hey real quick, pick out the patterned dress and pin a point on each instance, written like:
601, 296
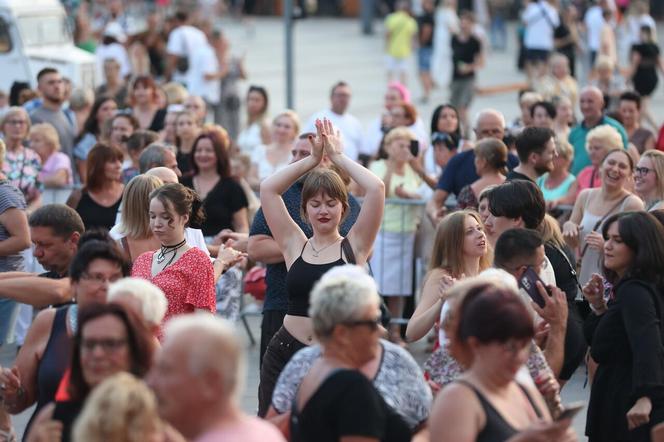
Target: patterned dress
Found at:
22, 168
188, 283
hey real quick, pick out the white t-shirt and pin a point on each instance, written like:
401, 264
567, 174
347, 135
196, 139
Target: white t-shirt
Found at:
204, 61
265, 169
182, 41
118, 53
540, 19
636, 23
594, 23
194, 237
349, 126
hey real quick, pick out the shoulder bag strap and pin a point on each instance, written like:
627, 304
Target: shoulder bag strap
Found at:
571, 268
603, 218
347, 250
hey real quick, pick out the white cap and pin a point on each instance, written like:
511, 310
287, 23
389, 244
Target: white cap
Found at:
113, 29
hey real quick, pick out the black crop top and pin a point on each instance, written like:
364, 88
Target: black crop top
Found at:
301, 278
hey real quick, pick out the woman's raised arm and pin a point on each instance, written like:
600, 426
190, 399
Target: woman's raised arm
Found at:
363, 233
285, 231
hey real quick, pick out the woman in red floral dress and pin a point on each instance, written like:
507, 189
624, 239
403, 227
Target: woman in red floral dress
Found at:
184, 273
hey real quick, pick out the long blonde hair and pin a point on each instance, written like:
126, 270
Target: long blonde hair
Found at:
447, 250
134, 216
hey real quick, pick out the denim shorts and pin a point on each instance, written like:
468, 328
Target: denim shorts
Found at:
424, 56
8, 315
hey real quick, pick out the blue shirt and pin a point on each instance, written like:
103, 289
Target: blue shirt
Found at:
460, 171
276, 296
577, 138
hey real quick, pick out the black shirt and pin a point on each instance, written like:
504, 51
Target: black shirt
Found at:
464, 52
423, 21
346, 404
514, 175
95, 215
220, 204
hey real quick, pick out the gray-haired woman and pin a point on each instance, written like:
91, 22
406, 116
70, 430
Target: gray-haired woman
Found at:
335, 401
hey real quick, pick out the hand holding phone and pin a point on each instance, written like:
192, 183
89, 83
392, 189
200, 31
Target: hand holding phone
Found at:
528, 282
414, 148
570, 410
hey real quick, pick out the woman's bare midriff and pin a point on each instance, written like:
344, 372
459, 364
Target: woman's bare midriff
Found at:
301, 328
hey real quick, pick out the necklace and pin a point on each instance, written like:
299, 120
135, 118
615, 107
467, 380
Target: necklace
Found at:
167, 250
317, 252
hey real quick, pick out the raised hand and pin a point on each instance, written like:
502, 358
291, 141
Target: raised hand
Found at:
331, 139
593, 291
317, 143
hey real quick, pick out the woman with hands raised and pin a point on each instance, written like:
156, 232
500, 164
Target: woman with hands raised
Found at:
324, 205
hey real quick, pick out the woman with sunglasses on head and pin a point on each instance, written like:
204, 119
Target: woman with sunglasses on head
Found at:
324, 205
44, 357
594, 206
625, 334
649, 180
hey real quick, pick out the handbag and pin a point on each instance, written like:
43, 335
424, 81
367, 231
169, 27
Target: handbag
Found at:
254, 282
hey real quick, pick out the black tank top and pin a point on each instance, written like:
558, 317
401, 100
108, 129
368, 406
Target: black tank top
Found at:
54, 362
300, 280
96, 215
496, 428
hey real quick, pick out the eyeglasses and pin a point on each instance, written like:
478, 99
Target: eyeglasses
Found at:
372, 324
642, 170
16, 122
108, 345
99, 279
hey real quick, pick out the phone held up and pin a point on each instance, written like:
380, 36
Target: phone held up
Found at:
528, 282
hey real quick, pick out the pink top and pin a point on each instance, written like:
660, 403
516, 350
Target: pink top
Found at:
248, 429
586, 179
188, 283
55, 162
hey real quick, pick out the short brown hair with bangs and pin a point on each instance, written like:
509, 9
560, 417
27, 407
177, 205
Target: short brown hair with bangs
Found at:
147, 82
327, 181
100, 154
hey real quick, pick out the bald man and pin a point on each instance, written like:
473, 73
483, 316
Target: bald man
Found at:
591, 103
460, 170
168, 176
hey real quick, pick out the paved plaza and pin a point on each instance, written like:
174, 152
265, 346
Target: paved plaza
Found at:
326, 51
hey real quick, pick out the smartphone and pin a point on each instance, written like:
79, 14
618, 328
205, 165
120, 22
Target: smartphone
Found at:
528, 282
414, 147
571, 410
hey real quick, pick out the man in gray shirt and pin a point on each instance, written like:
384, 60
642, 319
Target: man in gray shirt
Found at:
51, 88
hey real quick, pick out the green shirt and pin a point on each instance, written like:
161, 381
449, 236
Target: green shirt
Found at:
577, 138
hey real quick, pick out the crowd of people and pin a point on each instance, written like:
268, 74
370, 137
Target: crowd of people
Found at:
133, 217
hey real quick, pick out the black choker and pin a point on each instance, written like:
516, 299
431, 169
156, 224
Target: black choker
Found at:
166, 250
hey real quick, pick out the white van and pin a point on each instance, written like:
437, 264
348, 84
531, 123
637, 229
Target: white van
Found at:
34, 35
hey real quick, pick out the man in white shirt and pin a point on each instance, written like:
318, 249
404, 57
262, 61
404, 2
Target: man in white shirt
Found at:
594, 22
540, 20
348, 125
183, 43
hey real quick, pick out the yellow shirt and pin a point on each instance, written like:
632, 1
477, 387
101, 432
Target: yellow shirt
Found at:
402, 28
399, 217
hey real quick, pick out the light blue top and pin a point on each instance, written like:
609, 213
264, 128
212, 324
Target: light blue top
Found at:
558, 192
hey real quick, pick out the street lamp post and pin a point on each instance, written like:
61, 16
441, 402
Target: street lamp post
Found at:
288, 43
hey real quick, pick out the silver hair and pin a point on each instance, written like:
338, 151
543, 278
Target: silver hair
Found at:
484, 112
153, 156
153, 301
340, 296
217, 348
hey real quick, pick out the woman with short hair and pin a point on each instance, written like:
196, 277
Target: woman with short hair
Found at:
599, 141
558, 185
144, 99
56, 166
335, 402
491, 167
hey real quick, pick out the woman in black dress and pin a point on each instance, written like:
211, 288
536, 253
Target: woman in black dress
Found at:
645, 62
625, 333
224, 201
98, 202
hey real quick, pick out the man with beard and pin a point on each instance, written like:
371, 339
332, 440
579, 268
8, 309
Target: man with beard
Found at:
536, 149
52, 90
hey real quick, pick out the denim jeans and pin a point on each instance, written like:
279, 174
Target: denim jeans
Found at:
8, 314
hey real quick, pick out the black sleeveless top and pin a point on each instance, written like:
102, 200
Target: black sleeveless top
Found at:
96, 215
54, 362
300, 280
496, 428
